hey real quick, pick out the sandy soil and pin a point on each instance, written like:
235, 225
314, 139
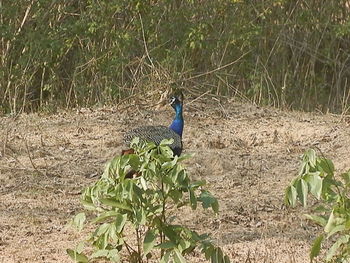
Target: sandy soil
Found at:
247, 154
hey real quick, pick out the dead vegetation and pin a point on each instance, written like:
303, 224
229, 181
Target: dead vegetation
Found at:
247, 154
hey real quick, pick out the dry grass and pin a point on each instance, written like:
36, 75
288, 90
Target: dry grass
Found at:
248, 155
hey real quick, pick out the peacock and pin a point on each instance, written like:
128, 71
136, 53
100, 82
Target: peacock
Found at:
157, 133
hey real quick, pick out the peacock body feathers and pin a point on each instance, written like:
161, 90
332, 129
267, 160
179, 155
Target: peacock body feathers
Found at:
155, 134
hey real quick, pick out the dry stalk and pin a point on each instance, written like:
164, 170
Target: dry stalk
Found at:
145, 43
24, 18
198, 97
5, 142
217, 69
30, 157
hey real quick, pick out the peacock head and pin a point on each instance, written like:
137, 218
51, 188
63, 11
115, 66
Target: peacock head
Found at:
176, 101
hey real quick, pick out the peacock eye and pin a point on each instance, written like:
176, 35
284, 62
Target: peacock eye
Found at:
172, 100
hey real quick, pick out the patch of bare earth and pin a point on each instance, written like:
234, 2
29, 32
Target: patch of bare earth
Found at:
248, 155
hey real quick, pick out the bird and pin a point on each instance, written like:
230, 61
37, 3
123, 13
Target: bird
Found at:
158, 133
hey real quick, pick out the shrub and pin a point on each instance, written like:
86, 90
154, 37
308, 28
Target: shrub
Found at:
317, 178
146, 206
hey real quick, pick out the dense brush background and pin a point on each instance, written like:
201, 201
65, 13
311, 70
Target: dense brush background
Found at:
285, 53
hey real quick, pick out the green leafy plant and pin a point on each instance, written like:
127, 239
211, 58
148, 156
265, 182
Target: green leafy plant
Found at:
316, 177
134, 207
276, 52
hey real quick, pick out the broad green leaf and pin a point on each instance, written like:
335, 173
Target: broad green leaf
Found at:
101, 238
330, 223
166, 245
172, 177
101, 229
208, 249
220, 255
333, 250
303, 168
327, 166
77, 257
143, 183
321, 209
128, 189
152, 167
104, 216
316, 247
121, 163
346, 177
120, 221
188, 250
135, 141
79, 221
166, 257
175, 195
302, 190
80, 247
134, 161
171, 234
291, 196
100, 253
317, 219
193, 199
149, 150
183, 245
111, 167
149, 241
166, 142
336, 229
170, 164
185, 156
215, 206
166, 152
140, 216
217, 256
113, 255
137, 194
88, 204
114, 203
315, 183
112, 232
198, 184
327, 193
178, 258
311, 157
208, 200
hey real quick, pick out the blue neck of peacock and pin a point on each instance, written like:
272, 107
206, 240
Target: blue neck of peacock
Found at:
178, 123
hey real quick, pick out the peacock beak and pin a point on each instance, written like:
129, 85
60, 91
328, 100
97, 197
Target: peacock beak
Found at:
172, 100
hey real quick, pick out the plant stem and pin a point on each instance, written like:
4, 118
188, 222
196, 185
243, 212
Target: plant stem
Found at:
138, 245
129, 248
162, 220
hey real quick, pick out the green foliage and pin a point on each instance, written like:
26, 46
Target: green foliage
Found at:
77, 53
316, 177
145, 206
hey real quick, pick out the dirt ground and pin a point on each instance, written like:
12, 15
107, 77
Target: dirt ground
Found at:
247, 154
